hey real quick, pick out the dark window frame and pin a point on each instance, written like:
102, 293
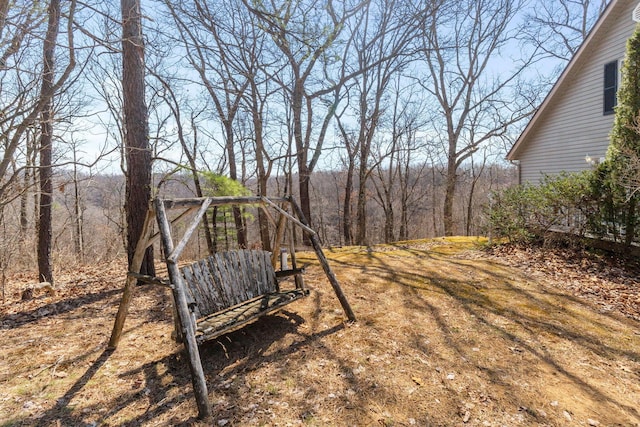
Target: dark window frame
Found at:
609, 98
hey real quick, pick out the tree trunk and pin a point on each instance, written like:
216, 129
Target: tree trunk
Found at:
45, 270
450, 190
304, 174
404, 219
361, 209
205, 217
263, 175
233, 174
263, 220
136, 131
347, 212
470, 206
78, 212
27, 183
347, 222
475, 176
404, 201
434, 209
388, 224
305, 200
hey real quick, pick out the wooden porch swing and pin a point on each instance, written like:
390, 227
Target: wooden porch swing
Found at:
226, 290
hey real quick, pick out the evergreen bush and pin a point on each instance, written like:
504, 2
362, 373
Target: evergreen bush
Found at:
612, 183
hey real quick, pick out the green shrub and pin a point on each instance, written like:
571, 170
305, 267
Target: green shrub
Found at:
529, 212
508, 212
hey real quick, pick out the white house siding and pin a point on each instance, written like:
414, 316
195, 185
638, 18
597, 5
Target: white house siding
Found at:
572, 124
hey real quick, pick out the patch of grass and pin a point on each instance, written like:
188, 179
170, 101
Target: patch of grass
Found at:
272, 389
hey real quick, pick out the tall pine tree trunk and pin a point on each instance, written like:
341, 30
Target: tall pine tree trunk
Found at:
45, 270
136, 128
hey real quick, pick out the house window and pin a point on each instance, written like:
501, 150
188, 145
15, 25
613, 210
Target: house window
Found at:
610, 86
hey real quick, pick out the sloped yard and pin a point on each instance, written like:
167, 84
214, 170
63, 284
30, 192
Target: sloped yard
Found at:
448, 334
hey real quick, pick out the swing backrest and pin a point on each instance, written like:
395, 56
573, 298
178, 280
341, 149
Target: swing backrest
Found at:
228, 278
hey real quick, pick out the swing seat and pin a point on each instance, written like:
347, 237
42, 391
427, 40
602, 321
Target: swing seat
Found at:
230, 289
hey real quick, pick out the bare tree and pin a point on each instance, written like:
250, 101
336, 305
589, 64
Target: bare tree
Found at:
475, 173
189, 143
214, 41
306, 35
24, 94
382, 43
29, 178
396, 178
349, 141
558, 27
477, 104
261, 89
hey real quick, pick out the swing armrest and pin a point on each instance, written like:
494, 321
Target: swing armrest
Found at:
290, 272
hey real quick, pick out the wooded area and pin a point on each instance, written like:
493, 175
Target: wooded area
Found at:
388, 119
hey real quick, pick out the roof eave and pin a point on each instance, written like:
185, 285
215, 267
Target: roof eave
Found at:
511, 155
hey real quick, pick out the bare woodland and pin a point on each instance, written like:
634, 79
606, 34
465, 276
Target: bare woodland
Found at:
388, 119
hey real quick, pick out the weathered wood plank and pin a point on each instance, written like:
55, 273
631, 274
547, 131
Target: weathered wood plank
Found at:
213, 292
234, 276
199, 285
244, 281
129, 287
267, 273
221, 299
192, 292
239, 315
241, 286
225, 280
253, 270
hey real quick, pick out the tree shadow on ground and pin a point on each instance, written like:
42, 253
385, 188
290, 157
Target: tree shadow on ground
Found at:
22, 318
163, 384
535, 313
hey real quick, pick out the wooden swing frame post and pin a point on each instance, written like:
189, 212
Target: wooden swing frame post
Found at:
136, 263
182, 308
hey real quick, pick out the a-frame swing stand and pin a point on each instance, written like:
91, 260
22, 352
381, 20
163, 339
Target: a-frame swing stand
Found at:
225, 291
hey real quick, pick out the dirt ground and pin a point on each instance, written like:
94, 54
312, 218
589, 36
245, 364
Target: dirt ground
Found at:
448, 334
